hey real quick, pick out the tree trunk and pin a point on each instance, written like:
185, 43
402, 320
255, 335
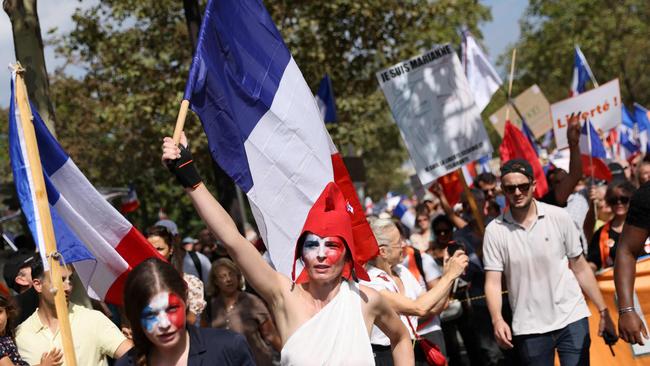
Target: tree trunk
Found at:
193, 20
29, 51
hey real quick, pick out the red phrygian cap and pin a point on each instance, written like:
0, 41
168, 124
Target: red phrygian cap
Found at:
330, 216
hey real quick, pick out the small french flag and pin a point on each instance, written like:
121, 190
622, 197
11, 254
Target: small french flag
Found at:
592, 146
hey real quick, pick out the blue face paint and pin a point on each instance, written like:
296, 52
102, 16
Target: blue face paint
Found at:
163, 311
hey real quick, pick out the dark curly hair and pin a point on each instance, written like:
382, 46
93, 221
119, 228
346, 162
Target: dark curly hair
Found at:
10, 308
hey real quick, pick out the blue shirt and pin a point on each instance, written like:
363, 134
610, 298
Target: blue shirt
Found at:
209, 346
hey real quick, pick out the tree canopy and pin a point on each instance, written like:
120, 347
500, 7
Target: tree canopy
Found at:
611, 34
136, 56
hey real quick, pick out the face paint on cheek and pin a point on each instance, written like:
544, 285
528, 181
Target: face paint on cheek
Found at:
328, 248
177, 311
164, 310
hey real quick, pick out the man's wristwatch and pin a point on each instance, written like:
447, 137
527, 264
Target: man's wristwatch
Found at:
628, 309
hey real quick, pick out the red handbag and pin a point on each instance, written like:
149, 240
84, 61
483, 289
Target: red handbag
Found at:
431, 350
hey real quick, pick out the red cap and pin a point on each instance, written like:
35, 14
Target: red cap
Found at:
331, 216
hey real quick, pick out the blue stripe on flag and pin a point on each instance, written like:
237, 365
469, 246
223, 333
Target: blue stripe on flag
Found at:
68, 244
52, 155
237, 67
597, 147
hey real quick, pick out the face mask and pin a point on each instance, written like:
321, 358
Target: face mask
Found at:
165, 310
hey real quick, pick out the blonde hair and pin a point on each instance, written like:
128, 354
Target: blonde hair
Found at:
213, 289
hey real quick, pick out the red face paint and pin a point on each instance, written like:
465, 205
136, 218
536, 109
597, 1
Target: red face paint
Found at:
318, 250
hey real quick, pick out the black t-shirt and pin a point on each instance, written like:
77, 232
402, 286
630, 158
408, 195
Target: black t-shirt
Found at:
594, 255
639, 213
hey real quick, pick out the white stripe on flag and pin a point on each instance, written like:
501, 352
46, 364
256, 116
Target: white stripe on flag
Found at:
290, 163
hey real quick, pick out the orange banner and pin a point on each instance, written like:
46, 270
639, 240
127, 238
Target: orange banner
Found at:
599, 351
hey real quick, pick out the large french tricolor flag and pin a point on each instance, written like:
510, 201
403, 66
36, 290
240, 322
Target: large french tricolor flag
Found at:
102, 245
264, 127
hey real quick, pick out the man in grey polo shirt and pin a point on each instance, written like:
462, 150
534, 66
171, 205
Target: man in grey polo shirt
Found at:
537, 247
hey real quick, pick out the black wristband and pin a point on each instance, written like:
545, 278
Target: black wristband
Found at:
184, 170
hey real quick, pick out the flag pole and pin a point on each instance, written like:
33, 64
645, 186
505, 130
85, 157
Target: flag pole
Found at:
512, 73
180, 121
43, 207
472, 203
591, 163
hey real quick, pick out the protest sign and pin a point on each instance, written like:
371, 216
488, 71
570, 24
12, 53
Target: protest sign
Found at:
535, 108
434, 108
601, 105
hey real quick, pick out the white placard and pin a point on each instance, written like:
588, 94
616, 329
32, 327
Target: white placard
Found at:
434, 108
601, 105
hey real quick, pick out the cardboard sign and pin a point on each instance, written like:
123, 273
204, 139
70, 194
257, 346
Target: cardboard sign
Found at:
535, 108
601, 105
434, 108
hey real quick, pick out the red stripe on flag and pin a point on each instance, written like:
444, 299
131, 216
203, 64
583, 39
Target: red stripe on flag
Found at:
599, 169
134, 248
451, 187
364, 239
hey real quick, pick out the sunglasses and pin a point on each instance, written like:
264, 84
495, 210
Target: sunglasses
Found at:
523, 188
619, 199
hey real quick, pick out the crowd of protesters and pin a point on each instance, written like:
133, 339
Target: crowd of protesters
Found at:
498, 278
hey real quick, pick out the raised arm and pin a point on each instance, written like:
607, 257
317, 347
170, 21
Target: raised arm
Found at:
433, 301
446, 207
264, 279
566, 187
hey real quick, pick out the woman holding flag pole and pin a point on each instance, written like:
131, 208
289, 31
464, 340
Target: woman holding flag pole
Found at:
323, 316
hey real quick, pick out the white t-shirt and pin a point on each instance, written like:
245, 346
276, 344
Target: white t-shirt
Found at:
543, 291
432, 272
381, 281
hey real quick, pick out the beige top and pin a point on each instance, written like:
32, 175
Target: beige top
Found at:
543, 291
93, 334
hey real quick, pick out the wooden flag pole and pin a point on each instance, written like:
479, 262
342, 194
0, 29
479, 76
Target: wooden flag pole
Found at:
180, 121
472, 203
43, 206
512, 73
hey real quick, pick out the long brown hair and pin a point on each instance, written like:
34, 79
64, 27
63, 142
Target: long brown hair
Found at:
146, 280
8, 304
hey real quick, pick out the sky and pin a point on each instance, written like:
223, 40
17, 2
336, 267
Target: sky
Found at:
498, 34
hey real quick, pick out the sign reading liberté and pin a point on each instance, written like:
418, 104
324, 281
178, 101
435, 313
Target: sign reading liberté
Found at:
601, 105
434, 108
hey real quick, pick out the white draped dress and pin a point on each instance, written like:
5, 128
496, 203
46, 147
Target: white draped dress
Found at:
336, 335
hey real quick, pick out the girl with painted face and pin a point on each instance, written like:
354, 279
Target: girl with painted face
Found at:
155, 302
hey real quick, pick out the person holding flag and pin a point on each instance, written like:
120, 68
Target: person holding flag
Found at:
324, 317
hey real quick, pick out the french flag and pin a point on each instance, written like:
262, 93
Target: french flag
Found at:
581, 73
264, 127
102, 245
325, 100
592, 146
628, 143
131, 202
642, 119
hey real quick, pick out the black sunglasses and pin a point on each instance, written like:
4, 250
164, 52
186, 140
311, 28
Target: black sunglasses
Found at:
619, 199
523, 188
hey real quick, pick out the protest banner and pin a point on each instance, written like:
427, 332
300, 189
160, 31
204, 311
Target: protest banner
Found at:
434, 108
601, 105
535, 108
